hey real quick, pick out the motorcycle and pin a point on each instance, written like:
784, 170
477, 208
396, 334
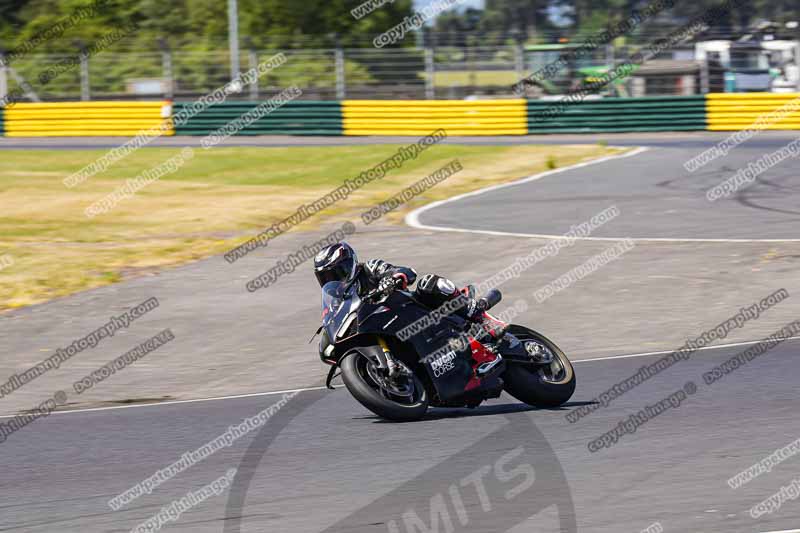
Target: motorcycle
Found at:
446, 364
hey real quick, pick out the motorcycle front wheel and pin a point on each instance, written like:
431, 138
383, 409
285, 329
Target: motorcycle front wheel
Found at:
402, 400
548, 385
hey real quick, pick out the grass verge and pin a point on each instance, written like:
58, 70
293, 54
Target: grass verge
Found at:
215, 201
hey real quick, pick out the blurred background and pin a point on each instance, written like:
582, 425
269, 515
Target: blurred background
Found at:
475, 49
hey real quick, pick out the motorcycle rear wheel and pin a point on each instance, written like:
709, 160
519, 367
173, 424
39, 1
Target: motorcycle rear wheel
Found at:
540, 386
364, 383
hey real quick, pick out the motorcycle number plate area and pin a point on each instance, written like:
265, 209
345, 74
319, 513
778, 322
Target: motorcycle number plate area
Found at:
450, 371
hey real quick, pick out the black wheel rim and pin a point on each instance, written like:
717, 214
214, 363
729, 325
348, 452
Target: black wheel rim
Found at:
555, 372
402, 390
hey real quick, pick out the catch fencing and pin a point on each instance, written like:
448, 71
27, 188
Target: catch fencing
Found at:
338, 73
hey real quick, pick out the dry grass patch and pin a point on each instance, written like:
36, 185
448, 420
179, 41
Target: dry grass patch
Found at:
214, 202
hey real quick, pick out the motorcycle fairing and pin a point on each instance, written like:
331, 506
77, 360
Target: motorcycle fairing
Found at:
449, 370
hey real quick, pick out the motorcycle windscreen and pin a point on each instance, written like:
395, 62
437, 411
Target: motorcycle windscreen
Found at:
450, 370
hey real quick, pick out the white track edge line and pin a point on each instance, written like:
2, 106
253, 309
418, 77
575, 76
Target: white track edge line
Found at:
256, 394
412, 218
174, 402
664, 352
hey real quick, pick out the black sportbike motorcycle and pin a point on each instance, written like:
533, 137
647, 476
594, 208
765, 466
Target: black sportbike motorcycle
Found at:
447, 364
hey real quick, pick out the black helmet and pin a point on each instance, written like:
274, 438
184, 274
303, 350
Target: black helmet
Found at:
336, 262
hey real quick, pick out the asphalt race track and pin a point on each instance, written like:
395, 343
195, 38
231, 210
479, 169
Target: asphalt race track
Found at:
694, 140
322, 463
658, 202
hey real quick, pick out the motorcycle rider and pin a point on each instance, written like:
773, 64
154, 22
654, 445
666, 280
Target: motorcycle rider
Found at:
339, 262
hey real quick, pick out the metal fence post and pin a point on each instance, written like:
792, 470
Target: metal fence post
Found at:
233, 37
430, 92
797, 62
3, 76
85, 93
471, 62
166, 63
519, 60
704, 77
340, 79
253, 62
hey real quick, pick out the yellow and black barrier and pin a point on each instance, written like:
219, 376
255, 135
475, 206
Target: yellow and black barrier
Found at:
738, 111
713, 112
86, 119
420, 117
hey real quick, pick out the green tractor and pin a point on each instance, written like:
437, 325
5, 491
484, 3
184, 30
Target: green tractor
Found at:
586, 71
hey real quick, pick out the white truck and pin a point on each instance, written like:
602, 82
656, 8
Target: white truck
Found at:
766, 65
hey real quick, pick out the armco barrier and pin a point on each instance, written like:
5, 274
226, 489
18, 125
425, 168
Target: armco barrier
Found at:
293, 118
650, 113
715, 111
737, 111
84, 119
420, 117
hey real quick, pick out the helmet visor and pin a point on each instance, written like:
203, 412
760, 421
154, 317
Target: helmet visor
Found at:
339, 271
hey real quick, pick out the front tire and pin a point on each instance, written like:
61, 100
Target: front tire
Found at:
540, 386
362, 381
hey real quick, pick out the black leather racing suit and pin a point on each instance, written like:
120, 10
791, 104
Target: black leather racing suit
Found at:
432, 290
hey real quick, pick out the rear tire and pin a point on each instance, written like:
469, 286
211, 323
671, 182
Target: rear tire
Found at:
533, 385
361, 384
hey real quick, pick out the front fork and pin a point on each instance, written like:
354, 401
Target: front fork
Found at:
527, 351
391, 365
382, 356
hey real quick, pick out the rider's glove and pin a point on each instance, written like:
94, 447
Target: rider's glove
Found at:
474, 312
400, 280
389, 283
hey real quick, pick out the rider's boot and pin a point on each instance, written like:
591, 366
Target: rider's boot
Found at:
476, 315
